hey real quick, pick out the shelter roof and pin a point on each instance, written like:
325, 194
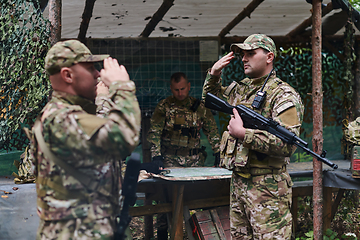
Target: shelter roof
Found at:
197, 18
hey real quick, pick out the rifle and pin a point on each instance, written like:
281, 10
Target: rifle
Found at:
129, 192
255, 120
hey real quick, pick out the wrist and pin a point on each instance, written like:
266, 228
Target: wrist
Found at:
215, 73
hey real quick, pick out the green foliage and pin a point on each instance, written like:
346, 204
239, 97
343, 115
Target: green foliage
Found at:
345, 224
24, 40
355, 4
328, 235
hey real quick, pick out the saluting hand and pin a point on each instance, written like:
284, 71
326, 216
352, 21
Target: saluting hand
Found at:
236, 126
221, 63
112, 71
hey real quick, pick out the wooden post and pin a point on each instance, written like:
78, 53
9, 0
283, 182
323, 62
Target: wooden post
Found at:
177, 216
327, 207
145, 125
55, 20
317, 140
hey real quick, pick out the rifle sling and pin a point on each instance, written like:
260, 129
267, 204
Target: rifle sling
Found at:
87, 181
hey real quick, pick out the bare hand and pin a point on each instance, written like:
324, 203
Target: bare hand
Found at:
113, 72
236, 126
102, 88
221, 63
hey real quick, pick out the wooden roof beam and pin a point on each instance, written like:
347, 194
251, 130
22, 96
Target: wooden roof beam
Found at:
244, 13
86, 16
308, 22
157, 17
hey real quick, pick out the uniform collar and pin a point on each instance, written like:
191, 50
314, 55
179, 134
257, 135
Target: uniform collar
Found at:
257, 81
86, 104
184, 102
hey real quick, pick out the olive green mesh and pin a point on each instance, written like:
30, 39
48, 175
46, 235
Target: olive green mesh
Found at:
24, 40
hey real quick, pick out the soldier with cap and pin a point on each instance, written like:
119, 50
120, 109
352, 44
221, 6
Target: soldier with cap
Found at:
175, 133
175, 128
261, 193
77, 145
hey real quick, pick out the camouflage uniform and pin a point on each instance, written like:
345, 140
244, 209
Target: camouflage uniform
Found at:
93, 145
175, 132
261, 194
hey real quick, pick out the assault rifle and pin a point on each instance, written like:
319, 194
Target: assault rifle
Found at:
129, 192
255, 120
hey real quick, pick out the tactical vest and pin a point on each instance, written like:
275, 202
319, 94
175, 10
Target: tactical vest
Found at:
352, 131
183, 130
236, 157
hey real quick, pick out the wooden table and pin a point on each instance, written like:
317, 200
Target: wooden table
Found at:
190, 188
194, 188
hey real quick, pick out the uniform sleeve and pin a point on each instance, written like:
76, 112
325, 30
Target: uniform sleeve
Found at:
157, 124
103, 105
211, 131
116, 132
212, 85
288, 111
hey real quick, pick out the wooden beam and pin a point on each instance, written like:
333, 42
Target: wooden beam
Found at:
333, 50
167, 207
157, 17
244, 13
86, 16
281, 40
308, 22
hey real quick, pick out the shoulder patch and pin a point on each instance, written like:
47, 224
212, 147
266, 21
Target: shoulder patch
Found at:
229, 89
284, 106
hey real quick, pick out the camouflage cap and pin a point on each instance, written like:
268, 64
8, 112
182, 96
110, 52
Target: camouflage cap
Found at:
68, 53
255, 41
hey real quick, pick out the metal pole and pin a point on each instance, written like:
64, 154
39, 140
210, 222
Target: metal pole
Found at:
55, 20
317, 140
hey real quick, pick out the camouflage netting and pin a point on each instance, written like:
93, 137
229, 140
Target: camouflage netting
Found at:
24, 41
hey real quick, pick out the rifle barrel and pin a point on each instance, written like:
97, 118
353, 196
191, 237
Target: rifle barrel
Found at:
318, 157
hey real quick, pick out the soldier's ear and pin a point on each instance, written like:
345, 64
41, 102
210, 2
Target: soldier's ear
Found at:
66, 74
270, 57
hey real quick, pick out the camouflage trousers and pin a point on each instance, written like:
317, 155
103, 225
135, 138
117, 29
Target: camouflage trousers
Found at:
197, 160
260, 206
76, 229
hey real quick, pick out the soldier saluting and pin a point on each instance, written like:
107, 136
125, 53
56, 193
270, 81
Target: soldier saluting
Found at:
78, 145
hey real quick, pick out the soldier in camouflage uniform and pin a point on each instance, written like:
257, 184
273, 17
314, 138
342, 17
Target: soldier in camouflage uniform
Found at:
92, 145
175, 128
175, 133
260, 196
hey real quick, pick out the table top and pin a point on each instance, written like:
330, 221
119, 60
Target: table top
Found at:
189, 174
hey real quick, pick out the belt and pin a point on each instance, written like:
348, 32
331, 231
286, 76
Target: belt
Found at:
262, 171
183, 152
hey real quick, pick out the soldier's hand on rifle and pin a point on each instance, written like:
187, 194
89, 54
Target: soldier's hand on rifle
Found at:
236, 126
221, 63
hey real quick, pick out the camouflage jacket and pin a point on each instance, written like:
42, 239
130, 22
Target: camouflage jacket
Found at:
259, 148
91, 144
170, 120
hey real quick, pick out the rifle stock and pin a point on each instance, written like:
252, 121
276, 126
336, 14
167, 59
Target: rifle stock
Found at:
254, 120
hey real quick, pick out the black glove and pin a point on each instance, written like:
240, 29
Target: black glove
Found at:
159, 161
154, 166
217, 159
